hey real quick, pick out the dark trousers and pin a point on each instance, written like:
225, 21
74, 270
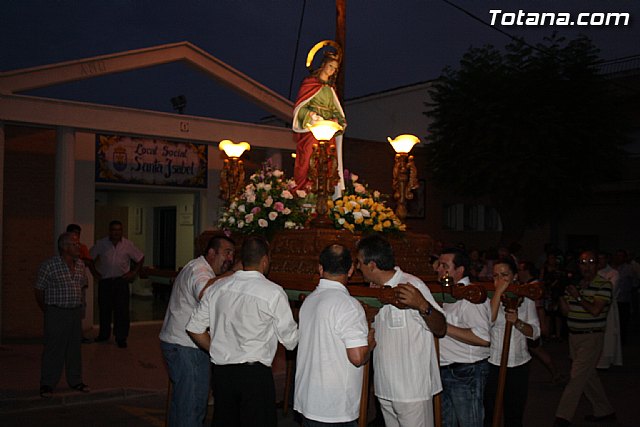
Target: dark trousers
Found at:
62, 335
306, 422
516, 389
113, 300
244, 396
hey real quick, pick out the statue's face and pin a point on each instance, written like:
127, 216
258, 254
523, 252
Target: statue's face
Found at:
330, 68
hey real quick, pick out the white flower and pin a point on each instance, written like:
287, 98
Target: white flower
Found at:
231, 220
286, 194
267, 187
242, 208
252, 177
289, 224
341, 221
365, 213
233, 205
286, 211
268, 202
354, 177
248, 218
353, 204
240, 224
263, 223
251, 198
301, 193
273, 216
376, 194
277, 173
357, 215
260, 185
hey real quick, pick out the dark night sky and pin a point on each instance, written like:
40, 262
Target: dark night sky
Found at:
390, 43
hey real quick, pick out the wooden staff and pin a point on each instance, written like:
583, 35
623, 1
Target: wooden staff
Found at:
502, 376
370, 313
529, 290
437, 399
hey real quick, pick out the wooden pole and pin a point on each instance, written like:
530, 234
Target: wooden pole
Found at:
437, 399
497, 408
364, 396
341, 30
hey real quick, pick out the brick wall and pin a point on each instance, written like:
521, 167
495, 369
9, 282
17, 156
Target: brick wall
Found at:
28, 224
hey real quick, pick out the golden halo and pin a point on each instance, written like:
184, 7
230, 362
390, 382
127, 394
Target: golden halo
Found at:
317, 47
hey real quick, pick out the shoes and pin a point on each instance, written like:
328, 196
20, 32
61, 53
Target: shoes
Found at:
561, 422
82, 388
122, 344
100, 339
595, 419
46, 392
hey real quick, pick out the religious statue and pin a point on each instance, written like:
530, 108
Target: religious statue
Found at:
317, 100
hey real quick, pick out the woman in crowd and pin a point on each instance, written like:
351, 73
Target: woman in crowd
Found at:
525, 326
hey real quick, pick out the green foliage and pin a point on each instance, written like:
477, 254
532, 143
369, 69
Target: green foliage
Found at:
533, 128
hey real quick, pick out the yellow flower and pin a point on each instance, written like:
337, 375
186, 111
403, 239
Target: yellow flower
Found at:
386, 224
402, 227
359, 220
336, 215
339, 203
368, 222
330, 204
377, 227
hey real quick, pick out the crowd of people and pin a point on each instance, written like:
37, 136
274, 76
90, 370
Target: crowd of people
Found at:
225, 320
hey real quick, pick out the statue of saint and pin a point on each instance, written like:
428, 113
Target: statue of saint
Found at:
317, 100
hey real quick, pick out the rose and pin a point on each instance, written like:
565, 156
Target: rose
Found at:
242, 208
273, 216
251, 198
277, 173
354, 177
301, 193
240, 224
263, 223
359, 188
376, 194
248, 218
286, 211
268, 202
278, 206
255, 210
286, 194
231, 220
267, 187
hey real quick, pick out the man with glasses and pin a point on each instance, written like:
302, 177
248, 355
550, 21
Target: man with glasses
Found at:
585, 305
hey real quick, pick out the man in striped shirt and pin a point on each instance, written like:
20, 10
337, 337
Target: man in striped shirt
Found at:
585, 305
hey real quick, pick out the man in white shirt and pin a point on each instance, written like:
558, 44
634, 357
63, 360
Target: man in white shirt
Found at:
405, 362
335, 341
247, 315
188, 365
464, 350
117, 261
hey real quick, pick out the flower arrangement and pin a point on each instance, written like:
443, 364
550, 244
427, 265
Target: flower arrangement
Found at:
362, 210
268, 203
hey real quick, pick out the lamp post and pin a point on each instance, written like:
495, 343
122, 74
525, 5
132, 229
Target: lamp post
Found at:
232, 175
323, 167
405, 174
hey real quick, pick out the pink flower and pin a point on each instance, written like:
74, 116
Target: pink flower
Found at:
278, 206
255, 210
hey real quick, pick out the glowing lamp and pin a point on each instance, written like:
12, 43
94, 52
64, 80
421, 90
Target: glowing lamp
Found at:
403, 143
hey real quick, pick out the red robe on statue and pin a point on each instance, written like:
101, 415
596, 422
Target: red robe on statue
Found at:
327, 106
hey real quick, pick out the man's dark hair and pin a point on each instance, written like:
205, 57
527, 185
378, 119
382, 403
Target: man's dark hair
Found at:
115, 222
64, 240
253, 249
460, 258
377, 249
335, 259
74, 228
215, 242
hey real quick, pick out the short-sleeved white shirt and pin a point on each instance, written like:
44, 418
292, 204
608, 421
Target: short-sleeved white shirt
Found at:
518, 350
184, 298
405, 360
328, 385
247, 315
115, 261
465, 314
